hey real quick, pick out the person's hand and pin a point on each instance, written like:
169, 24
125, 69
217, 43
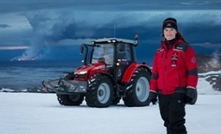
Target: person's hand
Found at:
191, 95
153, 98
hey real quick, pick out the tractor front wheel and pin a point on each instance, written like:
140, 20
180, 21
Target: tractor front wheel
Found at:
100, 92
70, 100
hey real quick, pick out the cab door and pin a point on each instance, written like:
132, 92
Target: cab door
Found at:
123, 59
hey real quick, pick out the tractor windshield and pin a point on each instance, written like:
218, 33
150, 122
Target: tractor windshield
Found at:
105, 52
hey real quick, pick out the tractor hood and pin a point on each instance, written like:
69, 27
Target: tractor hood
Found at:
87, 71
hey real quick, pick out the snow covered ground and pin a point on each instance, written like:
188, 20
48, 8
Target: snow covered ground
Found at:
37, 113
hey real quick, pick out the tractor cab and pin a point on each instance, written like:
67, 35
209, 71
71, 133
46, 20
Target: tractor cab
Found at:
117, 54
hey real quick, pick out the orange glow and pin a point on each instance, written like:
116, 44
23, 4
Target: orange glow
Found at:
23, 59
13, 47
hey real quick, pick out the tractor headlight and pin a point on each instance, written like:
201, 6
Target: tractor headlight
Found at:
113, 41
82, 72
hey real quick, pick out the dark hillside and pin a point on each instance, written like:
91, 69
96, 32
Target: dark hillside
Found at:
208, 63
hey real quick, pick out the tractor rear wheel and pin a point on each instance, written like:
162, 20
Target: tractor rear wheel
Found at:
70, 100
100, 92
137, 91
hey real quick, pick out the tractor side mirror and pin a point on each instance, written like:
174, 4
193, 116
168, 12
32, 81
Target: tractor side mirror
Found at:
81, 49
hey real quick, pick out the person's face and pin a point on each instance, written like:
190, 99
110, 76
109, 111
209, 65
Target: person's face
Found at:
169, 33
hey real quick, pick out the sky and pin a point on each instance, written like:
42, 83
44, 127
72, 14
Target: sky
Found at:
36, 113
40, 29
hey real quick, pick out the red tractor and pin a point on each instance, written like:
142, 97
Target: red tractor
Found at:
109, 73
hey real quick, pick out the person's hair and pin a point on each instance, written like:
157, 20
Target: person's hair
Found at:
180, 36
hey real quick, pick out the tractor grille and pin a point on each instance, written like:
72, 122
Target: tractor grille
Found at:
80, 75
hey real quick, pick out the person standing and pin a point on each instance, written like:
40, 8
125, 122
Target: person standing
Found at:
174, 78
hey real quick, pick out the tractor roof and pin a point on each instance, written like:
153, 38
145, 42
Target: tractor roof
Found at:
114, 40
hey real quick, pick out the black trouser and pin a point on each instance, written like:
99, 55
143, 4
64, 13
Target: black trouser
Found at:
172, 110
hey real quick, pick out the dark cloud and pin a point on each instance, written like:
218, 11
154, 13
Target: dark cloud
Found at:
61, 23
111, 5
204, 32
54, 26
4, 25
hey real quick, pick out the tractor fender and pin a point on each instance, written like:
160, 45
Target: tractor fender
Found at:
112, 79
109, 76
130, 70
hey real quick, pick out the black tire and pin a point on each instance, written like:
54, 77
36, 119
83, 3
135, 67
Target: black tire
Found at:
137, 91
116, 100
100, 91
70, 100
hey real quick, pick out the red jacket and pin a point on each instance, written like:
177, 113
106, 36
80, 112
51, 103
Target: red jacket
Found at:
174, 69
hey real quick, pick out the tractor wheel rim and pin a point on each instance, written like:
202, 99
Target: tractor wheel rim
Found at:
142, 89
103, 93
